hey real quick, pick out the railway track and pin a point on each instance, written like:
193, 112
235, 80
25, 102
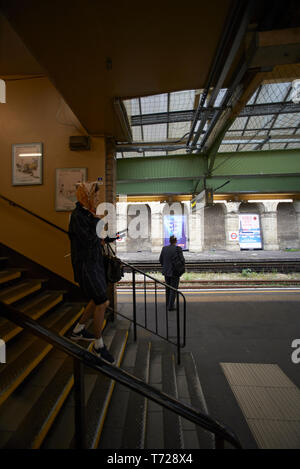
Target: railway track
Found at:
227, 266
211, 284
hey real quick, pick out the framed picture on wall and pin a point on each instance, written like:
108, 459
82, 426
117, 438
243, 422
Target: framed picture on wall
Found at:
27, 164
65, 188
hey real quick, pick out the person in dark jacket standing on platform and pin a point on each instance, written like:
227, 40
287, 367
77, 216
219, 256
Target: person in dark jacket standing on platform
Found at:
88, 266
166, 259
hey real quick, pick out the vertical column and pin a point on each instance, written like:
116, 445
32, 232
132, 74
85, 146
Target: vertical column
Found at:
110, 197
296, 205
157, 240
196, 228
269, 225
122, 222
232, 226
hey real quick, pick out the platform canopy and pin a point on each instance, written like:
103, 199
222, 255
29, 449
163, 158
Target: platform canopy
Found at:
165, 78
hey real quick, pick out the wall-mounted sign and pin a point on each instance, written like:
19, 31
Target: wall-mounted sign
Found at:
65, 191
176, 225
27, 164
233, 236
249, 233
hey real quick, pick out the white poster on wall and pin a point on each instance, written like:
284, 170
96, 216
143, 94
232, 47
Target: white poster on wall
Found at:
249, 232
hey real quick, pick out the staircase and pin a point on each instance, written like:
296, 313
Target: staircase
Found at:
36, 384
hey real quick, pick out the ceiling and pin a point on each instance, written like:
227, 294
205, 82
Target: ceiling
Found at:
100, 54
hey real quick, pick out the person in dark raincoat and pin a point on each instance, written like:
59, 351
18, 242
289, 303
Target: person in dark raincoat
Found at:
88, 266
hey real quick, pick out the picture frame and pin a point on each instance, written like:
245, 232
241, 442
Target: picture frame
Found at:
65, 187
27, 164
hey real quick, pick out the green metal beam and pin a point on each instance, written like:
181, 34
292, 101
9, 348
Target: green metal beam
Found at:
263, 172
156, 168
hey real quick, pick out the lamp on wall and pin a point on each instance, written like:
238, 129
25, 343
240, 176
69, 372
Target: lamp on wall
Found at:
2, 91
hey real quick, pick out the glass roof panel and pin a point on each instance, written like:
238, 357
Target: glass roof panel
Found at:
154, 104
155, 153
239, 123
137, 133
155, 133
179, 129
273, 93
182, 100
288, 120
132, 107
260, 122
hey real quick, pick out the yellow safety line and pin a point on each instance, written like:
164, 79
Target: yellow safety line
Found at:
36, 361
20, 295
10, 276
40, 438
215, 292
35, 316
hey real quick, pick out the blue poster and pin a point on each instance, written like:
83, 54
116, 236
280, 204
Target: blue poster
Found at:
176, 225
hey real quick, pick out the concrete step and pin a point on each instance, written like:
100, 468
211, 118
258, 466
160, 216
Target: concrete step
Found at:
7, 275
27, 352
20, 290
135, 422
33, 307
35, 426
98, 392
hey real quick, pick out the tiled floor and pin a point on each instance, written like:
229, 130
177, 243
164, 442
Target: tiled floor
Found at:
269, 401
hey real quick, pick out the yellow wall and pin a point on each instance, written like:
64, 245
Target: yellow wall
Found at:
35, 112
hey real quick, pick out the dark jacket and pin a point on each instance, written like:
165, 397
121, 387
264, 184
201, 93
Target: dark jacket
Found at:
166, 258
85, 244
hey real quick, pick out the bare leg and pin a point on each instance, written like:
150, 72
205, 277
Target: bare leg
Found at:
88, 312
99, 312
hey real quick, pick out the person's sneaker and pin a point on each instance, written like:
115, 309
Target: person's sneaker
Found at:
82, 335
104, 354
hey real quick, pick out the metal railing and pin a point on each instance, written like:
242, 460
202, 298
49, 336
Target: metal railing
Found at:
180, 322
82, 357
161, 321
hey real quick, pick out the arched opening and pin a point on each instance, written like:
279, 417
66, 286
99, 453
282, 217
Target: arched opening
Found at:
287, 230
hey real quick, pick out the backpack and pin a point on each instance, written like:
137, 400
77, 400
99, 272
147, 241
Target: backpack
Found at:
178, 265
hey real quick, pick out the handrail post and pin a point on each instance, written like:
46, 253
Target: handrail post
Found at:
219, 442
134, 304
80, 422
178, 328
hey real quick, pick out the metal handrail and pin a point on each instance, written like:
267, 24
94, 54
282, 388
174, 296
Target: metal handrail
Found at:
82, 356
135, 270
14, 204
180, 344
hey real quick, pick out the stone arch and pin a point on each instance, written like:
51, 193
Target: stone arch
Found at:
139, 217
287, 229
214, 227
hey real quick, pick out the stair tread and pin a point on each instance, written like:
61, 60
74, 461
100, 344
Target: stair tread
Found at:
37, 422
33, 351
173, 438
197, 399
97, 386
101, 395
7, 275
135, 422
20, 290
34, 308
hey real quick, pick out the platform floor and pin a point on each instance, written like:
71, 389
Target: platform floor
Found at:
214, 256
242, 330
